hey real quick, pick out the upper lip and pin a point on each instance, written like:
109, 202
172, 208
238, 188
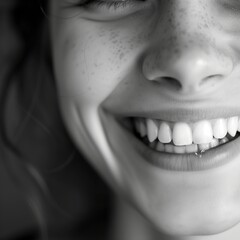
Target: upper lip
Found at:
181, 114
192, 115
172, 110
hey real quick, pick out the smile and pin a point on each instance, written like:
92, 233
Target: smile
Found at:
174, 140
176, 146
182, 138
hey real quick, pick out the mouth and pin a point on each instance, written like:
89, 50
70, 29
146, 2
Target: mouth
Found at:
186, 138
184, 146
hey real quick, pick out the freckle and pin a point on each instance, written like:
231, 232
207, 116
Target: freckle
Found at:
176, 51
191, 41
121, 56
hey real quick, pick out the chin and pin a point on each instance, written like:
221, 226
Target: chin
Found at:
185, 224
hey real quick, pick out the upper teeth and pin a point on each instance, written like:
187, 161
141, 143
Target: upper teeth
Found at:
182, 133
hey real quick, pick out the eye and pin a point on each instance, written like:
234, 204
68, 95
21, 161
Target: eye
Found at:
109, 4
106, 9
231, 5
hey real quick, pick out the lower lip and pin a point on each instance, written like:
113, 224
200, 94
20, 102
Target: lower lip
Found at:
210, 159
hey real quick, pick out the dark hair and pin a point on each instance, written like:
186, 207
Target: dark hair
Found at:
36, 148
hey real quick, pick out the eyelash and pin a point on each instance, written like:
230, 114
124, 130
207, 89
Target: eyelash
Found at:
108, 4
232, 5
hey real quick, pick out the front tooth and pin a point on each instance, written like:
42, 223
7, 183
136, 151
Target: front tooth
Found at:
232, 126
182, 134
239, 124
202, 132
152, 130
164, 133
220, 128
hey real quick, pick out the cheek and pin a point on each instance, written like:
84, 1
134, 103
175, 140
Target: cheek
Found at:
89, 64
90, 68
90, 61
91, 58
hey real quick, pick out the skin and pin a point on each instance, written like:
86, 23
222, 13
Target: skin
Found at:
110, 63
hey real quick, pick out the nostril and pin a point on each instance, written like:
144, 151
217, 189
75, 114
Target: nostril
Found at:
211, 79
170, 82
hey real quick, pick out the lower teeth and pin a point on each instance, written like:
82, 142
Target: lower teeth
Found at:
197, 149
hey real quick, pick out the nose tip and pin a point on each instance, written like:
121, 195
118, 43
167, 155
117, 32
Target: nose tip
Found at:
190, 73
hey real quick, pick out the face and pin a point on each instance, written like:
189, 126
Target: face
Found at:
149, 91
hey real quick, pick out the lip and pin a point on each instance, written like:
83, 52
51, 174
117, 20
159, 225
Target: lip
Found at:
210, 159
190, 115
181, 114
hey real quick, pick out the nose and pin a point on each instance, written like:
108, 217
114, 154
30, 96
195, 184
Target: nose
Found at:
186, 60
193, 71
